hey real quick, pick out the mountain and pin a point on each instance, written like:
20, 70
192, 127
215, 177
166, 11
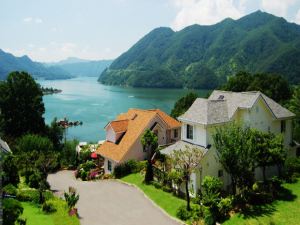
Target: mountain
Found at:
204, 56
68, 61
82, 67
9, 63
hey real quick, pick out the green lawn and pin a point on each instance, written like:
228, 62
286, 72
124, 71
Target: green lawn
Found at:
285, 211
165, 200
35, 216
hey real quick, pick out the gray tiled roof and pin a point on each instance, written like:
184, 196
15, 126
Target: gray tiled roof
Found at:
4, 146
221, 106
180, 145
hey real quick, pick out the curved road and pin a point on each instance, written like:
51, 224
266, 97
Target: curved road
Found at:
109, 202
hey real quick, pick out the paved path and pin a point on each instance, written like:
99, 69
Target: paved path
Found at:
110, 202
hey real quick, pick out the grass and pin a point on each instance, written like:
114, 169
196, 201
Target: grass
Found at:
284, 211
166, 201
35, 216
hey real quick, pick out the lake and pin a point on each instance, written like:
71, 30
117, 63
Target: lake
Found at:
94, 104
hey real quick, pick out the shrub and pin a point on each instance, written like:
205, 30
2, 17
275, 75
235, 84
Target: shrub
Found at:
93, 174
156, 184
224, 206
21, 221
208, 217
258, 186
48, 207
149, 173
167, 189
131, 166
88, 165
28, 195
211, 188
107, 176
291, 167
34, 180
83, 175
12, 209
10, 190
183, 214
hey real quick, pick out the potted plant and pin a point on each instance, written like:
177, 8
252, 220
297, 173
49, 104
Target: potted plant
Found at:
71, 198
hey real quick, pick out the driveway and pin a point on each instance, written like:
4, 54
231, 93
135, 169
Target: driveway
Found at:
110, 202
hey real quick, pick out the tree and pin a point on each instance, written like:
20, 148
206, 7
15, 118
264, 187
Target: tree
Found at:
268, 151
279, 91
183, 104
211, 190
68, 156
36, 156
239, 82
21, 105
9, 171
55, 133
294, 106
186, 161
262, 149
12, 209
235, 153
149, 141
278, 152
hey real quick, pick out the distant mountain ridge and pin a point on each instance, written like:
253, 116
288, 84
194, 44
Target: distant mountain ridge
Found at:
82, 67
9, 63
204, 56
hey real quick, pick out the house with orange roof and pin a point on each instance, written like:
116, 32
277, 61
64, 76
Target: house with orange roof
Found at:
123, 135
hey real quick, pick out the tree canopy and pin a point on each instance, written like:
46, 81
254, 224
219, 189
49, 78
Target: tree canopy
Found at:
274, 86
21, 105
294, 106
186, 161
183, 104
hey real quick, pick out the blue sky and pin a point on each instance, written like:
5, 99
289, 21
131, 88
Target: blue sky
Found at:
103, 29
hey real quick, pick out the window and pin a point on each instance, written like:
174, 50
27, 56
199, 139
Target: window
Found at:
175, 133
257, 109
189, 132
220, 173
298, 152
283, 126
109, 165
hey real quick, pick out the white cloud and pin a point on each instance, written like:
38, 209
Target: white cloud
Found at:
205, 12
68, 47
277, 7
297, 18
27, 19
38, 20
32, 20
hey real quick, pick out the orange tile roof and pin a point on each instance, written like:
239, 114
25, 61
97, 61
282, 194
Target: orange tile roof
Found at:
171, 122
138, 121
119, 125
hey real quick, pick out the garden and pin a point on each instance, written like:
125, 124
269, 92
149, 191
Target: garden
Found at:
164, 179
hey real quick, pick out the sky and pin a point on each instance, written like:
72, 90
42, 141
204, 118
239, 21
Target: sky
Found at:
52, 30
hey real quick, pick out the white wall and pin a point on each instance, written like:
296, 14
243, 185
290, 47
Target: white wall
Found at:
113, 164
110, 134
199, 134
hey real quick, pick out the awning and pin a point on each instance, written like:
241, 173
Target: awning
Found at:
94, 155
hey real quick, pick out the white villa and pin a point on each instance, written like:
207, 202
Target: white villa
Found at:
253, 109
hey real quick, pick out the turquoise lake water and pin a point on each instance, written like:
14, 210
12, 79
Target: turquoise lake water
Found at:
94, 104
